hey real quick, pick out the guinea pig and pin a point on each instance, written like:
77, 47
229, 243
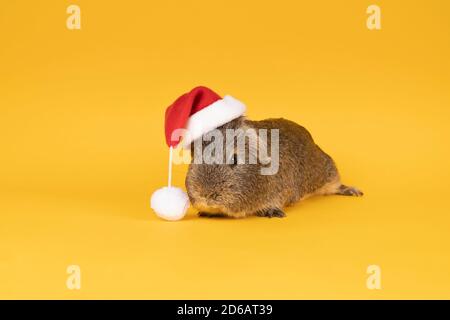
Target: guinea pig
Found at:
236, 189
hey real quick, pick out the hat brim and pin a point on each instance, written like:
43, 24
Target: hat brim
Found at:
212, 117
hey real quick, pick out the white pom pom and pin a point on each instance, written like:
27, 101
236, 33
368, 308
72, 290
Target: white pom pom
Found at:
170, 203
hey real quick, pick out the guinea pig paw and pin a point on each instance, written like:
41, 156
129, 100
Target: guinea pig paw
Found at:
349, 191
203, 214
271, 213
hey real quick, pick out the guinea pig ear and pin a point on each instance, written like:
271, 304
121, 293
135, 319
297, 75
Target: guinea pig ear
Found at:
257, 145
254, 151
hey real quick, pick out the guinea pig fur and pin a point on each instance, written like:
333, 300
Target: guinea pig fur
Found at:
240, 190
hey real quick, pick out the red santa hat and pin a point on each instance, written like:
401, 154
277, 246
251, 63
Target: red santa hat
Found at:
199, 111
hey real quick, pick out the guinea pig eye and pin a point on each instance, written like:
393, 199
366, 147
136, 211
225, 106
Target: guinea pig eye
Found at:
234, 160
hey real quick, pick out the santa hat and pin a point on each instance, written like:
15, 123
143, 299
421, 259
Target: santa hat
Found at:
197, 112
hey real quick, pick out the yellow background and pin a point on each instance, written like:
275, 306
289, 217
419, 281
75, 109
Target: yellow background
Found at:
82, 147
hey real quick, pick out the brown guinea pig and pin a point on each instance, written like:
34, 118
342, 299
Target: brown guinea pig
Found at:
236, 189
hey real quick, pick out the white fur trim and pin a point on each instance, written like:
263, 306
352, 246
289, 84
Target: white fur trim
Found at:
170, 203
213, 116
